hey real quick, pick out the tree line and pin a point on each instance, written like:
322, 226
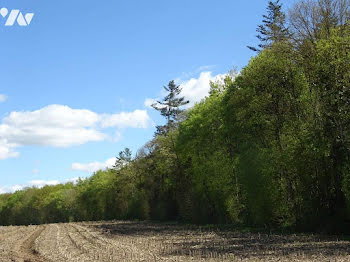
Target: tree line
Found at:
269, 146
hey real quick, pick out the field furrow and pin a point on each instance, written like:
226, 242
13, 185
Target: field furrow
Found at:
151, 242
19, 245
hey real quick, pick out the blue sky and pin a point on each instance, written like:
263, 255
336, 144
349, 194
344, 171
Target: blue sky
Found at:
76, 82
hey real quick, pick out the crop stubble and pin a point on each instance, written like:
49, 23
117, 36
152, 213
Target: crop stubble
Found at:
144, 241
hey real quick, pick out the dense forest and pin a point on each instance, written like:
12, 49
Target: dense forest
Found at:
268, 147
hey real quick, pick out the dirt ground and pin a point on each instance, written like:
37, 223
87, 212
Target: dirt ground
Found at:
142, 241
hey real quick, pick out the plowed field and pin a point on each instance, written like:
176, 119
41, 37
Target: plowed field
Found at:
141, 241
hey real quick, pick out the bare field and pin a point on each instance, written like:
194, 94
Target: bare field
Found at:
141, 241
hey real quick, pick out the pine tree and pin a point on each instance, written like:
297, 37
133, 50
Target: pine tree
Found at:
273, 28
170, 106
124, 158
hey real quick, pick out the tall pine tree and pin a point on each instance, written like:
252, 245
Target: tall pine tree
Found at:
273, 28
170, 106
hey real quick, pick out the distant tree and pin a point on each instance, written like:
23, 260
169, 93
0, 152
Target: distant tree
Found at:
312, 20
123, 158
170, 106
273, 28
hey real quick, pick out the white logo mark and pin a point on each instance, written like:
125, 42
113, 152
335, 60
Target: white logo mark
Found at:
16, 15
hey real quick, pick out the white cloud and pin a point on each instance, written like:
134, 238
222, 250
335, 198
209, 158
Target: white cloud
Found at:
94, 166
149, 102
136, 119
54, 125
53, 116
7, 149
42, 183
16, 188
73, 180
35, 183
3, 98
62, 126
188, 75
194, 89
10, 189
204, 68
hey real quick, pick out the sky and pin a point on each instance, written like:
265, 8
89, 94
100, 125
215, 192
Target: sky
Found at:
77, 77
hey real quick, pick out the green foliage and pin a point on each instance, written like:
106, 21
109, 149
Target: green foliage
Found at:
269, 146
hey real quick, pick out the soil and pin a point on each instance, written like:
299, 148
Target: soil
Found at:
144, 241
